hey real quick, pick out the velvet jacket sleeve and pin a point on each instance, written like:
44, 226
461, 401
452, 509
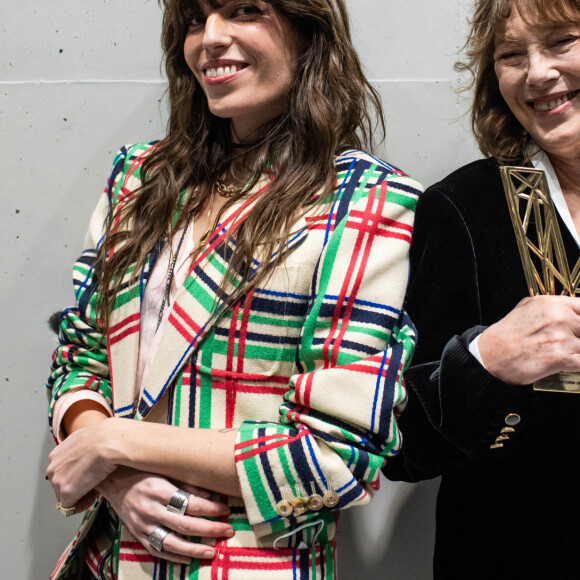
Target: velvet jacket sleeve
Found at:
338, 418
456, 409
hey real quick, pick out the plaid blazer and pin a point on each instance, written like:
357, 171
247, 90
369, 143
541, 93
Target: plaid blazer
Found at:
308, 367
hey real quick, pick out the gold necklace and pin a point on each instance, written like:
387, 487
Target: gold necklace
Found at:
228, 191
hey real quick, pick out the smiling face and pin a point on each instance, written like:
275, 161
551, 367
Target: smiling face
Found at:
243, 54
538, 69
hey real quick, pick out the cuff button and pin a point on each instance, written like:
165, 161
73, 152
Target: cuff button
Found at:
299, 505
512, 420
315, 502
284, 508
330, 499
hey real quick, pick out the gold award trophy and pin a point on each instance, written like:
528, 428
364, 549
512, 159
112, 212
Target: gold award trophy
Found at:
545, 262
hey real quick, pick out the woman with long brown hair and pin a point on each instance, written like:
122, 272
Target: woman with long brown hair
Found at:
508, 501
239, 306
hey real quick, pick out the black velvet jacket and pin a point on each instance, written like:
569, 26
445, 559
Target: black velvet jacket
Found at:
512, 511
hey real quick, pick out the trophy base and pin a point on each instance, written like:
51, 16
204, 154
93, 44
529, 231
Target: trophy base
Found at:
559, 383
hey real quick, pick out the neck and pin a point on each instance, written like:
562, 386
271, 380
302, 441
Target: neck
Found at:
568, 173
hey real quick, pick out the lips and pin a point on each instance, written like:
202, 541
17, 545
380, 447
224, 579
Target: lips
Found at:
546, 106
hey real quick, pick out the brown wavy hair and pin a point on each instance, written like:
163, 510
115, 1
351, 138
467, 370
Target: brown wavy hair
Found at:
497, 131
331, 106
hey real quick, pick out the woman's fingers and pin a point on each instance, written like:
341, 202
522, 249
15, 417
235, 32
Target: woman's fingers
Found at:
180, 549
140, 499
195, 526
199, 506
539, 337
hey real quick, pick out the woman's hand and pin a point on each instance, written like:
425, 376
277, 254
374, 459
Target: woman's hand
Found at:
82, 461
140, 500
539, 337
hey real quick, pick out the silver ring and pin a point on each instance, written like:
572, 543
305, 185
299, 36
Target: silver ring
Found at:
157, 536
178, 502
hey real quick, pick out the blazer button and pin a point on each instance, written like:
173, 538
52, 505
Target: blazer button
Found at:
512, 420
284, 508
496, 446
330, 499
507, 430
315, 502
299, 505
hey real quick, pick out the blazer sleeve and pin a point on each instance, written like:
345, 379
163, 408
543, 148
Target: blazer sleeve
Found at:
338, 419
456, 409
81, 359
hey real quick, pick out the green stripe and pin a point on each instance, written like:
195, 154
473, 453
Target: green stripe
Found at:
401, 199
205, 388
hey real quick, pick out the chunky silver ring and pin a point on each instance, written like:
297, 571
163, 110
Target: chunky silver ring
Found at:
178, 502
157, 536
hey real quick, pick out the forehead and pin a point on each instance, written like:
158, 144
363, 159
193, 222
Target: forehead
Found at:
536, 13
207, 5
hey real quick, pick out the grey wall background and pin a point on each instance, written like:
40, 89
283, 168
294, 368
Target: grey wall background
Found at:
79, 79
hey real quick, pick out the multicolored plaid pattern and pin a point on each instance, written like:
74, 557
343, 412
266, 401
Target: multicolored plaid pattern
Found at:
308, 367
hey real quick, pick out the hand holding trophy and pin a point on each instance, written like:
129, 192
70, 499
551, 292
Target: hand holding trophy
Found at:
541, 249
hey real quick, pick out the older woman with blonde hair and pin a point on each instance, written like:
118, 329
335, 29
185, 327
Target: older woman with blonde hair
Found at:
508, 501
231, 374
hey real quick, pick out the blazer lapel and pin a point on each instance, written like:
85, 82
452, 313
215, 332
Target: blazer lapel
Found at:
123, 340
197, 307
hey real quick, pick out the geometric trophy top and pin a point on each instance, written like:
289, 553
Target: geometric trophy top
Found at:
543, 257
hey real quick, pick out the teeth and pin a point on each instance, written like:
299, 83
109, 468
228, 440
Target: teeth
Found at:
220, 71
550, 105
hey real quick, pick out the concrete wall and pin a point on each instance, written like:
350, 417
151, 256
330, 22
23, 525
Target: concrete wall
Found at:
79, 79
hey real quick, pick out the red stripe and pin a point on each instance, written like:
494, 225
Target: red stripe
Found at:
132, 546
380, 220
304, 388
130, 319
177, 309
258, 440
92, 380
372, 217
135, 557
223, 374
232, 221
270, 446
250, 389
128, 332
229, 384
180, 328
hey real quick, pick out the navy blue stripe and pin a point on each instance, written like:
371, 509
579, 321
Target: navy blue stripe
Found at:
389, 384
304, 562
192, 390
261, 337
282, 307
347, 345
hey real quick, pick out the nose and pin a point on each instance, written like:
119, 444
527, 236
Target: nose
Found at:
216, 32
541, 69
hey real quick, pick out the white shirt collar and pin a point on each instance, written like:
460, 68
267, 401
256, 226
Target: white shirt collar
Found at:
540, 160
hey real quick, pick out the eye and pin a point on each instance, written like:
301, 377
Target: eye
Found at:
564, 41
196, 21
247, 11
509, 56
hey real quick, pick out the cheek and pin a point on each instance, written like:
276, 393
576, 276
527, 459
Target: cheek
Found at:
507, 88
190, 53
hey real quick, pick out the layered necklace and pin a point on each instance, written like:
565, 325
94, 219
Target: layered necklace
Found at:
222, 190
